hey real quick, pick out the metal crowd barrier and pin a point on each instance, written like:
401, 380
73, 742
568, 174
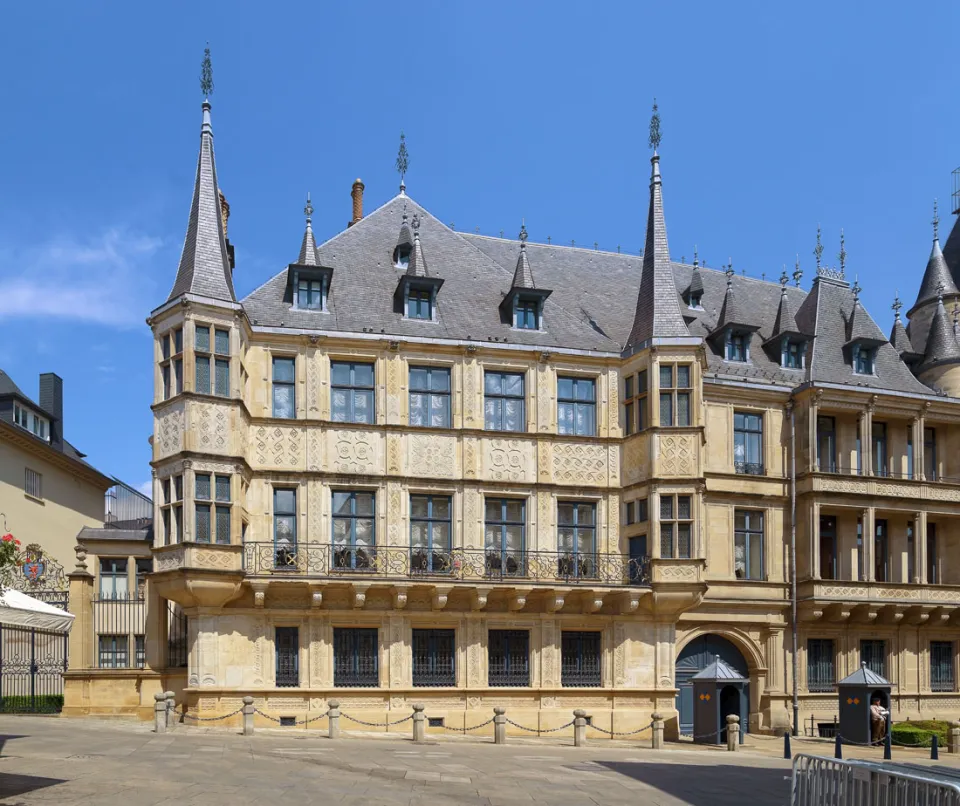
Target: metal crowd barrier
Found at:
819, 781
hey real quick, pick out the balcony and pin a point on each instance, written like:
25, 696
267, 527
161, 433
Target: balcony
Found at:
879, 602
748, 468
472, 565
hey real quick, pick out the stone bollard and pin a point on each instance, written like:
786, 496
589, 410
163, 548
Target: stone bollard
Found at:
657, 731
248, 716
333, 717
171, 709
160, 713
733, 732
419, 724
499, 726
953, 738
579, 728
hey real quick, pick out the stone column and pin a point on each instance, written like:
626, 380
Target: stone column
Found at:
869, 536
82, 651
813, 412
579, 728
920, 547
733, 732
499, 726
419, 724
653, 516
657, 731
815, 539
155, 629
866, 441
248, 716
919, 462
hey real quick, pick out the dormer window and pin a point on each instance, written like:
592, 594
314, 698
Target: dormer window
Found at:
527, 313
694, 300
401, 256
792, 354
863, 359
310, 294
737, 346
420, 303
29, 421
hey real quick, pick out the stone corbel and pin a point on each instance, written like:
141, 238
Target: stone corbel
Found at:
866, 614
941, 616
553, 601
917, 616
480, 596
359, 596
544, 357
811, 615
892, 614
630, 602
399, 598
316, 596
439, 600
838, 612
591, 601
517, 601
259, 593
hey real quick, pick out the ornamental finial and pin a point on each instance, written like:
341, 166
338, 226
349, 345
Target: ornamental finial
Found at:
729, 272
856, 290
940, 288
784, 277
308, 209
696, 257
818, 249
416, 225
523, 232
403, 161
843, 253
897, 305
206, 74
655, 134
936, 221
797, 271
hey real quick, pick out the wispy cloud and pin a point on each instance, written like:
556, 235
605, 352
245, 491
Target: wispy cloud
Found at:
105, 279
146, 488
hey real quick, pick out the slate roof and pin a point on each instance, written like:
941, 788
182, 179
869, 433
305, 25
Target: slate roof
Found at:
864, 677
941, 340
204, 263
731, 312
937, 272
719, 670
417, 267
308, 248
786, 321
110, 533
899, 338
8, 387
523, 274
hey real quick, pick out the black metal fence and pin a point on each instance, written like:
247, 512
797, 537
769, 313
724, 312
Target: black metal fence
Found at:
176, 637
320, 559
119, 632
32, 663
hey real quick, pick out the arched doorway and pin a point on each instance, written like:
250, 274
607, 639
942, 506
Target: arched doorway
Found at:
697, 656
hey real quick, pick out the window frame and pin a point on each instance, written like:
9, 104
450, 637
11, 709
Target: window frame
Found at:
434, 657
284, 550
672, 394
525, 307
736, 346
433, 560
864, 360
171, 509
287, 656
171, 363
572, 563
876, 649
320, 290
118, 572
581, 671
946, 661
118, 649
498, 559
501, 399
825, 660
744, 435
354, 665
831, 535
575, 405
33, 483
276, 385
675, 524
750, 534
418, 304
429, 393
352, 391
514, 661
361, 557
827, 438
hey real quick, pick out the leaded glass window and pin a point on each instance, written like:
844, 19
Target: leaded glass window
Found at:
430, 396
576, 406
351, 397
503, 401
675, 392
222, 380
354, 530
202, 342
221, 345
580, 659
203, 374
203, 507
434, 653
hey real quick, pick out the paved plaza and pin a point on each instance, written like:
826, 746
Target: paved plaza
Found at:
49, 760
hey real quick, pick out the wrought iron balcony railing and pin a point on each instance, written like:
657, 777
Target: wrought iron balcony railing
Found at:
491, 565
749, 468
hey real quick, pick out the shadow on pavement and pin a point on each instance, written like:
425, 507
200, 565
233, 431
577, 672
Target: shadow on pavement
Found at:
6, 737
711, 784
12, 785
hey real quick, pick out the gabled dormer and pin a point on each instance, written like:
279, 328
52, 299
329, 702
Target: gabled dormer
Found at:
732, 332
308, 283
522, 306
863, 337
787, 344
693, 296
900, 340
404, 248
416, 294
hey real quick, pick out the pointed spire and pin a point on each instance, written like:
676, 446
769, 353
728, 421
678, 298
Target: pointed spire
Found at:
658, 308
695, 289
731, 312
937, 273
861, 327
523, 274
308, 249
818, 249
403, 162
786, 321
942, 341
204, 263
843, 254
696, 257
797, 272
898, 334
418, 263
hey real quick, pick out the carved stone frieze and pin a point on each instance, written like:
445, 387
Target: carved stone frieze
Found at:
678, 454
169, 431
355, 452
579, 463
433, 455
509, 460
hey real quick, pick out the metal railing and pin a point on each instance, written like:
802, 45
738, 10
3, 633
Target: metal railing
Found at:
119, 631
491, 565
749, 468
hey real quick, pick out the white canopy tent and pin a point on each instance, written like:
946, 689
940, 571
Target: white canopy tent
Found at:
19, 609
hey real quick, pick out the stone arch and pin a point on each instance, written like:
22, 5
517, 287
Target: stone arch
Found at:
751, 652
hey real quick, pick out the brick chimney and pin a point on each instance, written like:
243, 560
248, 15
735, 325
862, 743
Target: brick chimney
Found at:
357, 195
51, 401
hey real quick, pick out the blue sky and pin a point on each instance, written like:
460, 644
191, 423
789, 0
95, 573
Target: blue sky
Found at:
776, 117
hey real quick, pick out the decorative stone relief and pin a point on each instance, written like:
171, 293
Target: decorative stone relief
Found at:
508, 460
170, 560
260, 445
314, 508
314, 450
220, 560
613, 380
545, 462
394, 453
545, 520
579, 463
613, 464
619, 654
432, 455
544, 397
469, 458
259, 641
470, 394
613, 523
678, 454
313, 383
470, 517
355, 452
396, 652
635, 460
943, 493
474, 637
548, 664
169, 431
394, 515
394, 388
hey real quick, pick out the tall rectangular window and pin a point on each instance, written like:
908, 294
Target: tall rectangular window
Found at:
430, 396
748, 544
33, 483
222, 377
419, 303
223, 509
288, 657
676, 523
933, 567
942, 666
910, 473
285, 527
643, 405
873, 652
508, 658
430, 533
202, 341
113, 651
203, 506
580, 659
284, 394
629, 406
911, 553
861, 575
202, 359
351, 395
504, 536
503, 399
576, 406
354, 530
527, 313
930, 454
171, 362
880, 449
821, 665
434, 653
828, 547
113, 578
826, 444
674, 394
748, 443
139, 651
576, 540
881, 559
736, 344
355, 657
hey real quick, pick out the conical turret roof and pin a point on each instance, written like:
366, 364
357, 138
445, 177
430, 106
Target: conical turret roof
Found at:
941, 341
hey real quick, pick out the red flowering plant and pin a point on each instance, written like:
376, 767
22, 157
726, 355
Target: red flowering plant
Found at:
9, 558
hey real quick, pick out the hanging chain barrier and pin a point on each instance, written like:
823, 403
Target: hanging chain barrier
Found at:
306, 721
613, 733
376, 724
466, 730
540, 730
207, 718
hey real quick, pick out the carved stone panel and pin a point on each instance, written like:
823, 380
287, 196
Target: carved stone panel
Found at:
635, 459
432, 455
678, 454
280, 447
580, 464
169, 431
355, 452
508, 460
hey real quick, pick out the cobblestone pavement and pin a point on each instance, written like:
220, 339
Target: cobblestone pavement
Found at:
48, 760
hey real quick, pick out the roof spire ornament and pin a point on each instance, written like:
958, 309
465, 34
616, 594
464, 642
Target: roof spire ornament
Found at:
797, 271
523, 234
308, 247
206, 74
936, 221
940, 288
843, 254
729, 273
818, 249
308, 209
783, 279
856, 290
655, 134
403, 162
696, 257
897, 305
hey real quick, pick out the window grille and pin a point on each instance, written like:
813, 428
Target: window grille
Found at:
113, 652
508, 658
434, 654
33, 483
873, 652
355, 657
821, 668
139, 651
941, 666
288, 657
580, 659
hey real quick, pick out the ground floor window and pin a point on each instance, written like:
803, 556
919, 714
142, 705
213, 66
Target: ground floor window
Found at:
580, 659
873, 652
288, 657
355, 657
113, 652
508, 658
821, 664
139, 651
941, 666
434, 652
